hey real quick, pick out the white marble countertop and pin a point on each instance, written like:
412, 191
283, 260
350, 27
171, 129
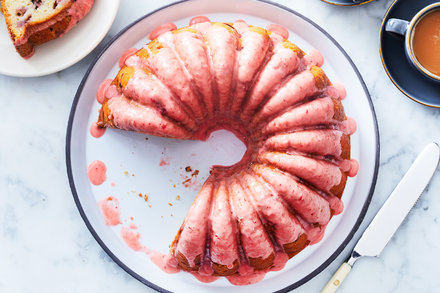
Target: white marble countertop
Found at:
46, 247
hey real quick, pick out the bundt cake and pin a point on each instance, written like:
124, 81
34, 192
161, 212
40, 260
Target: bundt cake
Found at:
251, 217
34, 22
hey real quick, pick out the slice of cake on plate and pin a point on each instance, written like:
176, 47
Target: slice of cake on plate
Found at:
34, 22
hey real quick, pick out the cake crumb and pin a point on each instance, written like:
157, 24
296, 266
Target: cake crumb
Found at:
174, 185
146, 138
125, 172
149, 205
146, 197
178, 197
172, 215
132, 175
161, 217
140, 194
170, 204
188, 169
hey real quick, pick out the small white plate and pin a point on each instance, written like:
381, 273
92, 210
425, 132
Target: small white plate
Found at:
133, 164
63, 52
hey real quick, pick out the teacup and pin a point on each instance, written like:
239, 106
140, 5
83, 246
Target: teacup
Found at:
420, 45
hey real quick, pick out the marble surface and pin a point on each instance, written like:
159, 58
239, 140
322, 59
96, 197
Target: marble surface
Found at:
46, 247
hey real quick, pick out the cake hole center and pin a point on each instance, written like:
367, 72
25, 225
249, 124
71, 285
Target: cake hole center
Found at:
226, 146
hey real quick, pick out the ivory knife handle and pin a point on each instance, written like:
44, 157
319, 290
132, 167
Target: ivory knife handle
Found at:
337, 279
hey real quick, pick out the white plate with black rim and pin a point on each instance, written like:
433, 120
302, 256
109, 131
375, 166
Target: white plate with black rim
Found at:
157, 166
63, 52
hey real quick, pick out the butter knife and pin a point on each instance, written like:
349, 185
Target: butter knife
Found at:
391, 214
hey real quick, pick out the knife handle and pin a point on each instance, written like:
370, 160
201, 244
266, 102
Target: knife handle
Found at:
337, 278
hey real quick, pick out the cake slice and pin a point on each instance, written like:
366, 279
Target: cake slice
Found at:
34, 22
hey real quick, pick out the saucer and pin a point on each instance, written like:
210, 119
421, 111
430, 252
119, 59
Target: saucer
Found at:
392, 52
347, 2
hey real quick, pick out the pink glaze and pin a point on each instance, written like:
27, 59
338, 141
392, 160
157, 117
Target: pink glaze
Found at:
293, 91
283, 62
97, 172
129, 115
223, 243
279, 261
349, 166
191, 49
325, 142
165, 64
131, 238
278, 29
342, 93
307, 203
348, 126
254, 48
100, 95
166, 262
287, 228
77, 11
336, 204
110, 210
111, 91
198, 19
191, 242
253, 236
126, 55
96, 131
162, 29
205, 278
222, 45
314, 57
321, 174
316, 112
240, 280
148, 90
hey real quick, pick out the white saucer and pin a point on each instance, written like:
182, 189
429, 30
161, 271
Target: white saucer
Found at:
60, 53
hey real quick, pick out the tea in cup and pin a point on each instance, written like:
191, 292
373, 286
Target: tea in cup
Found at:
422, 39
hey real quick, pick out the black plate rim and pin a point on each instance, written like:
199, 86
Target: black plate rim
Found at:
385, 66
122, 264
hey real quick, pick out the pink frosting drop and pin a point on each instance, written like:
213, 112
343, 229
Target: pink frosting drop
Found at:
97, 172
314, 57
279, 261
166, 262
278, 29
198, 19
96, 131
162, 29
342, 93
110, 210
128, 53
205, 279
131, 238
316, 234
354, 168
349, 166
100, 95
240, 20
246, 280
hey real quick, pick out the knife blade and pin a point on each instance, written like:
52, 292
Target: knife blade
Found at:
395, 209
